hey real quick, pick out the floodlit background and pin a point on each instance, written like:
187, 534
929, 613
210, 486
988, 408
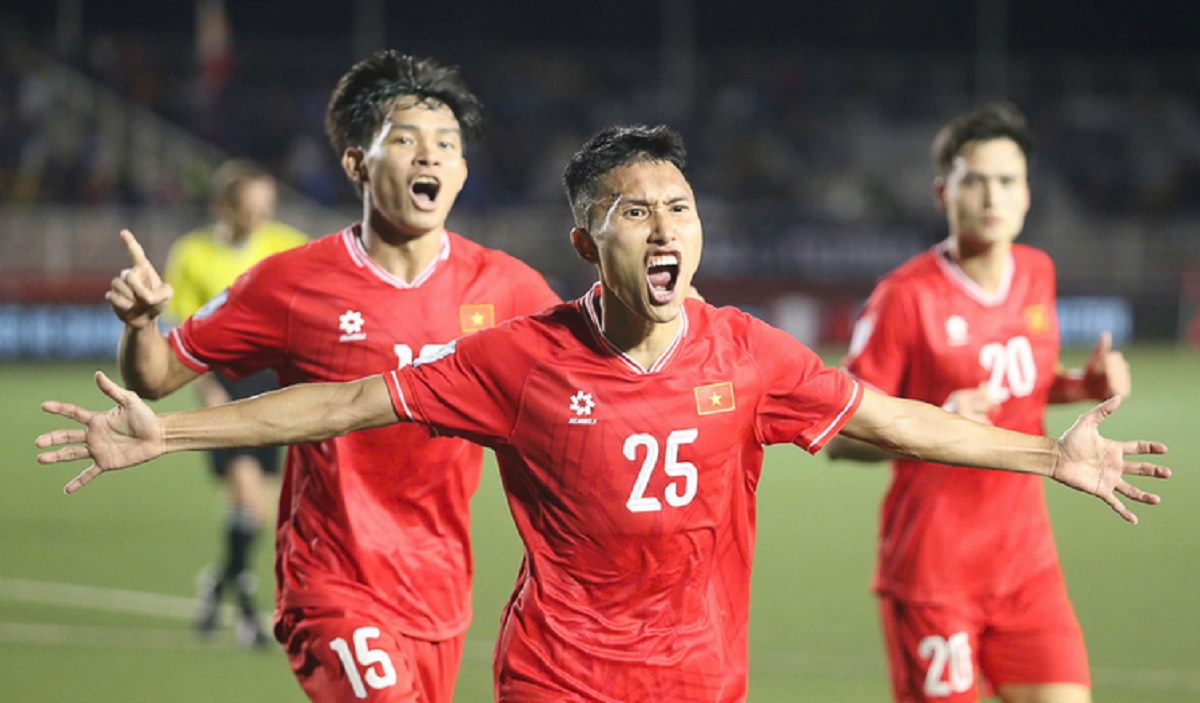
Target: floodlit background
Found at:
809, 127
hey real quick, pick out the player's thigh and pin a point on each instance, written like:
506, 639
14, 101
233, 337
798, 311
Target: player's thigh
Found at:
342, 657
931, 651
339, 655
1034, 639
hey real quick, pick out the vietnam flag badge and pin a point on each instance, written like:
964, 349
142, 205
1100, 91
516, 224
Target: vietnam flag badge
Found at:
715, 398
1037, 319
473, 318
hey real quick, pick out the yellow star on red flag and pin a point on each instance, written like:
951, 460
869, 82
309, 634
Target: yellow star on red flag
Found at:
715, 398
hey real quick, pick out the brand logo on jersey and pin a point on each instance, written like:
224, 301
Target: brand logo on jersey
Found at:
582, 405
473, 318
715, 398
212, 305
956, 331
351, 324
1037, 318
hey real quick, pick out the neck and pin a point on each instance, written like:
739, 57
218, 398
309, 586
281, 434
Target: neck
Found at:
645, 341
985, 264
403, 255
224, 232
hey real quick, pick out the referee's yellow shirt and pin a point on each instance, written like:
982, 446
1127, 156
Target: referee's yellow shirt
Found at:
199, 266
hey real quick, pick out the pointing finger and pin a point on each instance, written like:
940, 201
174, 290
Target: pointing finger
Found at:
136, 253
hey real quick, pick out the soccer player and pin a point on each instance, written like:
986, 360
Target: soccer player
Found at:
971, 594
373, 559
629, 427
200, 265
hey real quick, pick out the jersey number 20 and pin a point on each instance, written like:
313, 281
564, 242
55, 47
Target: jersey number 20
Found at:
1013, 371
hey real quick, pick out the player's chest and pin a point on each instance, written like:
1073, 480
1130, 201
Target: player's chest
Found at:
1012, 347
351, 334
647, 454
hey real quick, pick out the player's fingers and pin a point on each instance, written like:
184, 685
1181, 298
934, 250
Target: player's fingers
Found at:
60, 437
1103, 345
1119, 507
1132, 492
1143, 447
72, 453
111, 389
120, 302
82, 479
1142, 468
1101, 412
136, 253
67, 410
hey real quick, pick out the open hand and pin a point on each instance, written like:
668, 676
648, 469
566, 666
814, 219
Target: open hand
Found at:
126, 435
1093, 464
138, 295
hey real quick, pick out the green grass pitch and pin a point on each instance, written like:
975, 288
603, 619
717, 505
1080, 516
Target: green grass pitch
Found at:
95, 588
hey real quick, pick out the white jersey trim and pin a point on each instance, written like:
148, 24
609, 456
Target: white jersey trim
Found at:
970, 287
395, 381
354, 246
182, 349
849, 404
588, 303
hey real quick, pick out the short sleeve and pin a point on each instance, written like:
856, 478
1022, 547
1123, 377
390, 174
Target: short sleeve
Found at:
462, 390
240, 331
804, 402
881, 344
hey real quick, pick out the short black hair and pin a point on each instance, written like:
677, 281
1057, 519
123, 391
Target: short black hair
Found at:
998, 120
612, 148
363, 98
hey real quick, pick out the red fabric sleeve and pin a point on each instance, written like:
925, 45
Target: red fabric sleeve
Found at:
242, 330
804, 402
459, 392
882, 340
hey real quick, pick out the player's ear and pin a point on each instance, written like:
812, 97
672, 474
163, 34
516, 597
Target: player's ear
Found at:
939, 193
584, 245
354, 165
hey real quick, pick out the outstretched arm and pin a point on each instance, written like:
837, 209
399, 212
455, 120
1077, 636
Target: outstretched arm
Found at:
971, 403
1081, 458
131, 433
139, 296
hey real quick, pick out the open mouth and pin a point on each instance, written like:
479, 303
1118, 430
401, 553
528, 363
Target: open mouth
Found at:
425, 191
662, 275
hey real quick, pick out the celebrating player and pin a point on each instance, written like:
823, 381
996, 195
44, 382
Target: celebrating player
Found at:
200, 265
373, 558
629, 427
971, 593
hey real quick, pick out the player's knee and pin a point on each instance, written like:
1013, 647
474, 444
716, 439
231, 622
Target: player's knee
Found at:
1045, 693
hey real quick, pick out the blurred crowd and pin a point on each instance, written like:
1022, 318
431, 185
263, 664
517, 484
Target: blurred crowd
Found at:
830, 138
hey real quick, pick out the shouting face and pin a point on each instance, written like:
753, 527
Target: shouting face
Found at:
413, 170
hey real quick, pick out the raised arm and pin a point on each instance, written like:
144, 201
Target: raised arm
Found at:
1081, 458
131, 433
138, 296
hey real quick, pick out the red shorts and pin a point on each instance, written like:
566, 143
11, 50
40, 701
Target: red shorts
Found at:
340, 656
958, 652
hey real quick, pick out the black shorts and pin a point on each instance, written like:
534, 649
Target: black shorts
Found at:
268, 457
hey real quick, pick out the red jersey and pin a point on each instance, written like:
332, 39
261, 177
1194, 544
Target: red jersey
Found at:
632, 489
927, 331
383, 514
